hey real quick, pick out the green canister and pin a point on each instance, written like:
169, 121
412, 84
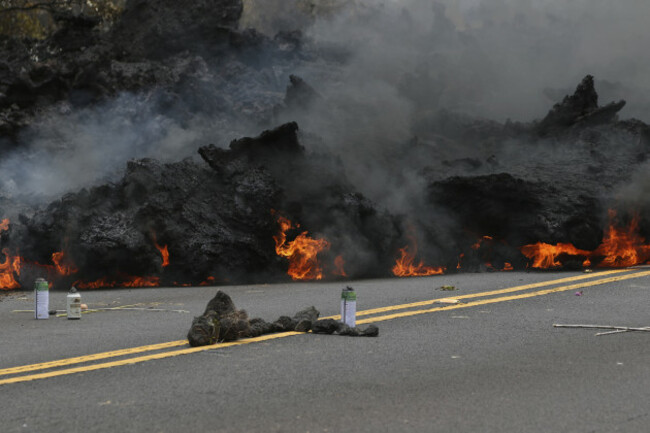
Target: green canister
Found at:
41, 299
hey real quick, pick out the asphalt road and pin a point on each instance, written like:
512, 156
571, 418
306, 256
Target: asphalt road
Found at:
493, 363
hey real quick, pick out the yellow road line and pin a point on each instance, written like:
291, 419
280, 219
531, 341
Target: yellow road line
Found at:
504, 298
287, 334
93, 357
483, 294
144, 358
152, 347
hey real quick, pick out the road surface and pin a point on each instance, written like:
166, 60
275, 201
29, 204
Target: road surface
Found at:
493, 362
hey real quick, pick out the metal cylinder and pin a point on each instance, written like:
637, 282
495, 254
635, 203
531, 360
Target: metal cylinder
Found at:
349, 307
41, 299
73, 304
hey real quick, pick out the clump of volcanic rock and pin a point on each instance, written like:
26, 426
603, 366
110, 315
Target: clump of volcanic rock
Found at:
222, 321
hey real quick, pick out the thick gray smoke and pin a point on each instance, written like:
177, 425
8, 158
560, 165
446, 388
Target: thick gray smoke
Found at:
383, 69
389, 67
494, 58
68, 148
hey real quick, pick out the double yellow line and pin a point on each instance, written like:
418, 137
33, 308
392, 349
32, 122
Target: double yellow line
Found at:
411, 307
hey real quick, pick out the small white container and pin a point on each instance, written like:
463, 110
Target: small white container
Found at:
41, 299
349, 307
73, 304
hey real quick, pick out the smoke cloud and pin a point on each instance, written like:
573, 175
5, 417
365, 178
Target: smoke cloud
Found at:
386, 70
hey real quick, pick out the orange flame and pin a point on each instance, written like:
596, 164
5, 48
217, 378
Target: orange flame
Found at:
478, 243
302, 252
507, 267
339, 264
545, 255
164, 252
127, 281
621, 247
63, 268
460, 257
208, 281
9, 270
405, 267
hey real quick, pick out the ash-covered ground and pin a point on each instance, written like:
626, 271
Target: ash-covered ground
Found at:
374, 128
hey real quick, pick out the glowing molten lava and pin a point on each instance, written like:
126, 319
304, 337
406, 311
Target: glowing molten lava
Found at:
126, 281
164, 253
405, 267
478, 243
9, 270
545, 255
621, 247
339, 265
62, 266
302, 252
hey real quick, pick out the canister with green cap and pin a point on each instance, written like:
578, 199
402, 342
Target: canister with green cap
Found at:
41, 299
349, 307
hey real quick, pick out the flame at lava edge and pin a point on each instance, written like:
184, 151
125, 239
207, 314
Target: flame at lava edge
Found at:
302, 252
620, 247
405, 267
11, 267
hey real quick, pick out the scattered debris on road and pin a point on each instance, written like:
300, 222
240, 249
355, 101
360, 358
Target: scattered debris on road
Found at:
86, 310
448, 288
222, 321
616, 329
447, 301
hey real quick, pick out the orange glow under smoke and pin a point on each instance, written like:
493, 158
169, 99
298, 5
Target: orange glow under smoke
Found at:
164, 252
478, 243
302, 252
9, 270
208, 281
128, 281
63, 267
405, 265
339, 266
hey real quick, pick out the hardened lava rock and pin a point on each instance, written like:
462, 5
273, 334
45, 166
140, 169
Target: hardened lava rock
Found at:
204, 330
221, 321
331, 326
300, 322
